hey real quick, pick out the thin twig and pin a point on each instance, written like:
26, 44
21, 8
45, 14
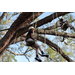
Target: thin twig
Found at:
4, 29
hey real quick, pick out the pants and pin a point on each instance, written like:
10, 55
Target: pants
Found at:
30, 42
35, 45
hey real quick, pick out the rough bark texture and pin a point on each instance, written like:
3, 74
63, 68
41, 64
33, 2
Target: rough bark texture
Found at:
56, 33
27, 22
15, 26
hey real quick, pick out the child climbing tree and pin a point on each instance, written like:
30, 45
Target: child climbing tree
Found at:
26, 17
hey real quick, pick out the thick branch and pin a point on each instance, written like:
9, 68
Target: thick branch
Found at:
14, 27
31, 19
56, 33
27, 22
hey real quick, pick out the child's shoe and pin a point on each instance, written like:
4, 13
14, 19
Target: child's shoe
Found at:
45, 55
38, 59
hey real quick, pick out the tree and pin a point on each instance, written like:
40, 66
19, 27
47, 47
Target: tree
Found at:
15, 31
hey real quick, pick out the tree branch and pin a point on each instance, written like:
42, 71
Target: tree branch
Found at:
1, 17
13, 52
27, 22
31, 19
56, 26
56, 33
57, 48
24, 54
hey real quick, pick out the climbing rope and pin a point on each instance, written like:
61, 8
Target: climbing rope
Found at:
56, 30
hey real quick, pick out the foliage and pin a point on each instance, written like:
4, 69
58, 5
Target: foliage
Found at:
8, 57
56, 56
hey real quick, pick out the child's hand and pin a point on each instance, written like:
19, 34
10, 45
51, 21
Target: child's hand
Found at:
35, 40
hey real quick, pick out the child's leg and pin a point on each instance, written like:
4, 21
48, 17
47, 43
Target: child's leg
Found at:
38, 47
37, 51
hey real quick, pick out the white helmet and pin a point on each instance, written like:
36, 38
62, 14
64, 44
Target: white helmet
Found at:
31, 27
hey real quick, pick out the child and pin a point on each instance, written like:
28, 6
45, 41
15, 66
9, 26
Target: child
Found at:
31, 41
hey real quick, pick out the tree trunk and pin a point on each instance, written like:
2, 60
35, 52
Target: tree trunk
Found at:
15, 26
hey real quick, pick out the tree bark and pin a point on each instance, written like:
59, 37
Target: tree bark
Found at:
31, 19
56, 33
14, 27
28, 21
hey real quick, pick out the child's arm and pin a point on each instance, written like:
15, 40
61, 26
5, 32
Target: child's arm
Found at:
32, 36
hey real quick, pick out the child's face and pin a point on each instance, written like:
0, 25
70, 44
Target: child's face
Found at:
33, 30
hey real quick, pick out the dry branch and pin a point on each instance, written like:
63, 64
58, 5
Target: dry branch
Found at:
56, 33
3, 15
